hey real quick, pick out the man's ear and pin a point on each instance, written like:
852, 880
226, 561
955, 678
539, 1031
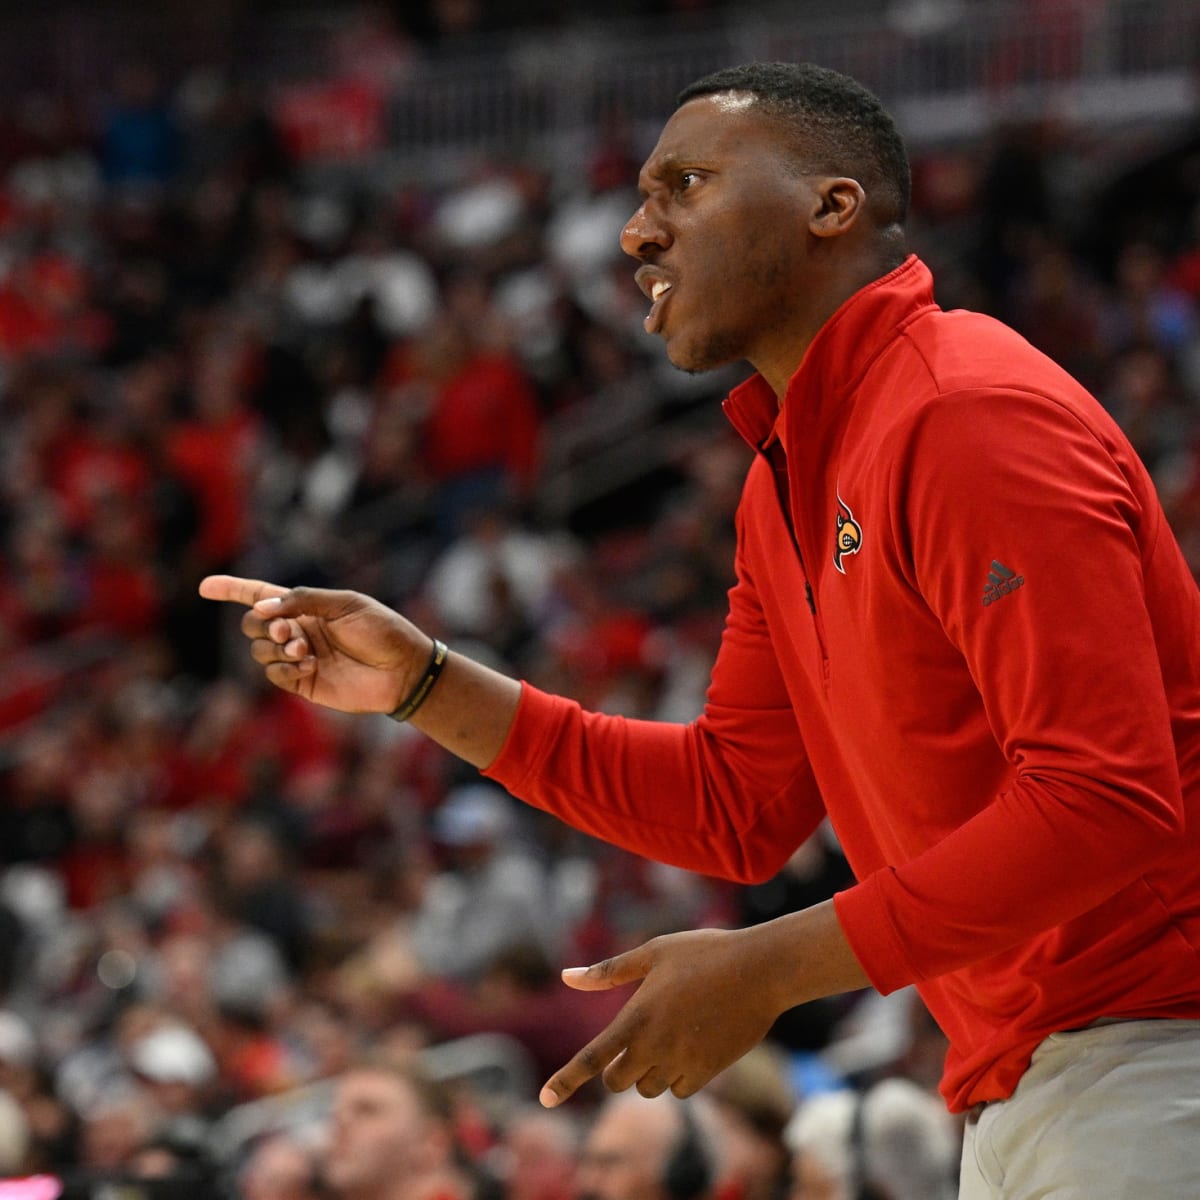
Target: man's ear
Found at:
840, 203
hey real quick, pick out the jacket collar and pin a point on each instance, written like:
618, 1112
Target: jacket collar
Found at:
840, 355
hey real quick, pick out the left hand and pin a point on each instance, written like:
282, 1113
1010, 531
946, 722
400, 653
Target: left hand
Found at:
705, 999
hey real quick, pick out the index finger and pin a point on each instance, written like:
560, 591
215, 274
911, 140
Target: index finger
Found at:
238, 590
587, 1064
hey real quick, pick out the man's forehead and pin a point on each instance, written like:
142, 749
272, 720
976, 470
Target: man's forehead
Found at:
717, 123
715, 110
730, 101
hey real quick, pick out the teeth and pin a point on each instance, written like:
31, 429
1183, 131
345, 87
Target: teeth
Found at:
659, 287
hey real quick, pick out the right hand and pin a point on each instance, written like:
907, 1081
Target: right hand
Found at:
340, 649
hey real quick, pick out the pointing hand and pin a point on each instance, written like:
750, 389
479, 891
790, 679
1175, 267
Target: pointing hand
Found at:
340, 649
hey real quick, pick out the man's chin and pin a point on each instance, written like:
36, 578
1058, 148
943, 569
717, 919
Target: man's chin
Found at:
696, 360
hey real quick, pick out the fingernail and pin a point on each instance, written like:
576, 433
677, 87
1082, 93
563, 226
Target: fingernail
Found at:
573, 972
269, 605
547, 1098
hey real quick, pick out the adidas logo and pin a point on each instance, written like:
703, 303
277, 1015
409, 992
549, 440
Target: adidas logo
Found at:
1000, 582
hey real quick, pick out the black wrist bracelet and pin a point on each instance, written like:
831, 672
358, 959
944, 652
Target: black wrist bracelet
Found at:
421, 692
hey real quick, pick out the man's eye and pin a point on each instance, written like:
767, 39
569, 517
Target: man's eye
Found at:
687, 178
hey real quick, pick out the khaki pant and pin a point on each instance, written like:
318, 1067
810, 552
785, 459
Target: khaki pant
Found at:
1110, 1112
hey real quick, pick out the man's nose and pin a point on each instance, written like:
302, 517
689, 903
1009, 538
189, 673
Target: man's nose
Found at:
643, 234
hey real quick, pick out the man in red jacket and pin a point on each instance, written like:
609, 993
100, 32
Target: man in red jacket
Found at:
961, 628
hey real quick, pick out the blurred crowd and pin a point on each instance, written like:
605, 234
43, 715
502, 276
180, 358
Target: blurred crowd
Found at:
288, 953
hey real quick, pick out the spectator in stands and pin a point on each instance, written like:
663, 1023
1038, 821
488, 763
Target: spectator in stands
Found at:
279, 1168
391, 1138
497, 579
518, 993
493, 896
180, 1161
481, 430
178, 1073
537, 1155
14, 1136
48, 1122
895, 1142
141, 143
259, 889
658, 1149
113, 1129
752, 1102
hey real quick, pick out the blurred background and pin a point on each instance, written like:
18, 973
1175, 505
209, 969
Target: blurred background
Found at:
332, 294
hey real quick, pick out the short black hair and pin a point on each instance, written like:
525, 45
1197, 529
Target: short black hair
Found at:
837, 125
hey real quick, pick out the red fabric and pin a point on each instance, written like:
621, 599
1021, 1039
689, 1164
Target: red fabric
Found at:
84, 469
486, 415
218, 776
1184, 272
257, 1065
1016, 784
340, 120
296, 736
42, 307
94, 873
30, 685
25, 328
123, 597
215, 460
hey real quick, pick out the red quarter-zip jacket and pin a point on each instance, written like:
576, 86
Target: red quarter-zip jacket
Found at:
995, 694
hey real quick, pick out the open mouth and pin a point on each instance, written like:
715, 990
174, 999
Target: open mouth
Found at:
659, 291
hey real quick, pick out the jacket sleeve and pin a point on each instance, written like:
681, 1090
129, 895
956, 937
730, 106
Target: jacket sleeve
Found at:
730, 794
1068, 668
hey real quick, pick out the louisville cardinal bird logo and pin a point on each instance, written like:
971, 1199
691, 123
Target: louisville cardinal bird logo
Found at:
849, 535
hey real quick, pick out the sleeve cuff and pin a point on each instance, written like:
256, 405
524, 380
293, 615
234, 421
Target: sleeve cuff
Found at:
537, 718
865, 920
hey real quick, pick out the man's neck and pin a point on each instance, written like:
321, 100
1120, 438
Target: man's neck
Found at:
850, 277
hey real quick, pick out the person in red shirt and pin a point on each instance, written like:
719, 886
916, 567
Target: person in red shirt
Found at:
961, 629
475, 407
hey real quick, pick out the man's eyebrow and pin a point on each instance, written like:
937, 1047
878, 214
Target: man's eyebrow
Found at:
659, 168
669, 161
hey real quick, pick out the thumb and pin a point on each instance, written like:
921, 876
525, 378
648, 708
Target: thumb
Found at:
611, 972
306, 601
